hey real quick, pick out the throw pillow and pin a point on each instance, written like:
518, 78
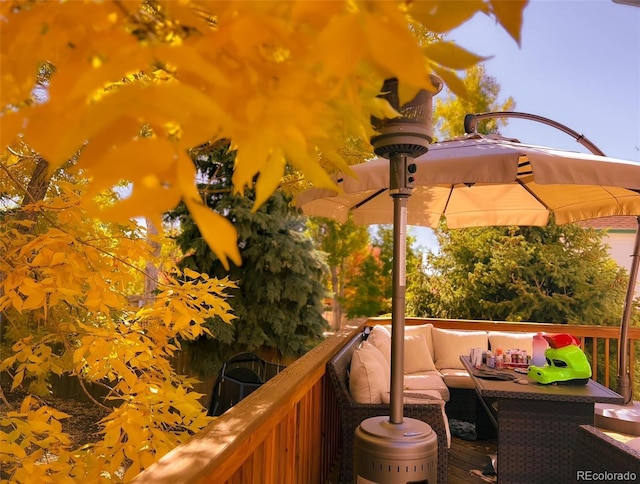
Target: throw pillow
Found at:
369, 374
381, 339
423, 330
417, 356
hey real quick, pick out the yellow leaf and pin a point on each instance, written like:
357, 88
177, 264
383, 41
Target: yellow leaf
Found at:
338, 49
146, 458
308, 165
380, 108
52, 130
509, 15
269, 178
190, 273
452, 56
453, 82
186, 57
15, 450
58, 258
34, 301
150, 201
11, 125
123, 371
181, 11
119, 52
23, 36
25, 406
396, 50
216, 230
133, 161
120, 131
252, 156
441, 16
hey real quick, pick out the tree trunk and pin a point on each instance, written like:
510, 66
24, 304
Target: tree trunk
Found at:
36, 190
151, 270
337, 308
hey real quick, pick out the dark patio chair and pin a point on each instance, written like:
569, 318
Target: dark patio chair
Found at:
239, 377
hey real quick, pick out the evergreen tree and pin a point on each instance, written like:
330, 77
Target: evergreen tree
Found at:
559, 274
278, 299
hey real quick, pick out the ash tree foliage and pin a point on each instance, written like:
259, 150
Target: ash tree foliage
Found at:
282, 80
65, 309
99, 93
278, 298
557, 274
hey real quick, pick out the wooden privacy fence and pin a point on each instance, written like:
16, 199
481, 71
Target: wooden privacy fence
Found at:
287, 431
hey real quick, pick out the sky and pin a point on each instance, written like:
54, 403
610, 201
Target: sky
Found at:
578, 64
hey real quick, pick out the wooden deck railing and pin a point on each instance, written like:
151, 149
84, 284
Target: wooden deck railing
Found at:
284, 432
287, 430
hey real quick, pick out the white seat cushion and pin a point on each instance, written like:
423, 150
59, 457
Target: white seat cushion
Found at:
427, 381
456, 378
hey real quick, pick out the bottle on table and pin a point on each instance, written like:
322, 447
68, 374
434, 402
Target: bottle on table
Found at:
540, 345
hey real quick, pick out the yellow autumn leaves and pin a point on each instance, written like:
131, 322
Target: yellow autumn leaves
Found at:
65, 282
284, 81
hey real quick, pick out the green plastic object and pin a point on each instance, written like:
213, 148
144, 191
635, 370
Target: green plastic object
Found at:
567, 365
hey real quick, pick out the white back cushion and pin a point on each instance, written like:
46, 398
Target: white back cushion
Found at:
450, 344
417, 356
369, 374
381, 339
511, 341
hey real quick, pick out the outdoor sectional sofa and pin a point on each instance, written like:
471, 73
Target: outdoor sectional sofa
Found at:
437, 387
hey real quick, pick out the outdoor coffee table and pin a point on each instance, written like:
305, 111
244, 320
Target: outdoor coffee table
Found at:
537, 424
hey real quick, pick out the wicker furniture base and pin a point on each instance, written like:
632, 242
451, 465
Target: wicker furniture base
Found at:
351, 414
538, 425
464, 404
598, 456
536, 439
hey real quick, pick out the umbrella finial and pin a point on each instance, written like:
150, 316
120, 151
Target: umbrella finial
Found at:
411, 133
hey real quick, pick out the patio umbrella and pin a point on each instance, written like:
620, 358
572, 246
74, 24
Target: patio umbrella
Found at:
482, 181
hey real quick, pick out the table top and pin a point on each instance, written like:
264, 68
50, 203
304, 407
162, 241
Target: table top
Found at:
591, 392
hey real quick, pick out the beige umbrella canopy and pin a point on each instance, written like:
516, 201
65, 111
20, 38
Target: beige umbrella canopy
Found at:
483, 181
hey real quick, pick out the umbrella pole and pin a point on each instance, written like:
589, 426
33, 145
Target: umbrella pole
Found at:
400, 192
623, 381
398, 307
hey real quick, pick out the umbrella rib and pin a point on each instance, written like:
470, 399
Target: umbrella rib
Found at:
446, 204
368, 199
530, 192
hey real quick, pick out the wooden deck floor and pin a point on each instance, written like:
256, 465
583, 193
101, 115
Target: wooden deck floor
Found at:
465, 456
